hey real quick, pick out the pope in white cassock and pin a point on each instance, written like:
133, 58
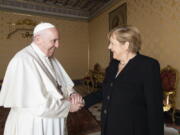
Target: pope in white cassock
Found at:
37, 88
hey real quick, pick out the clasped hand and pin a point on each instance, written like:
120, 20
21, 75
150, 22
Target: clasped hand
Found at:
76, 102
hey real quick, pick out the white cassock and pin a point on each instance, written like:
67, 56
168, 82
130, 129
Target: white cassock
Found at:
30, 90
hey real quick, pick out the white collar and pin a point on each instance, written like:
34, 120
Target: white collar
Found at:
38, 50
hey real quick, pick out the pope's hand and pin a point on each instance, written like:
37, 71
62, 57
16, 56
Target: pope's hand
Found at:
76, 98
75, 107
76, 102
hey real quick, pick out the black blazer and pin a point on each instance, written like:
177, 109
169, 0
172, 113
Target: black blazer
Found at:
132, 101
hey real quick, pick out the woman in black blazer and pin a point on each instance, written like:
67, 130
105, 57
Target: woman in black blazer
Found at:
131, 93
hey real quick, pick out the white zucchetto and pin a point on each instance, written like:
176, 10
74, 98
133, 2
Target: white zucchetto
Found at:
42, 26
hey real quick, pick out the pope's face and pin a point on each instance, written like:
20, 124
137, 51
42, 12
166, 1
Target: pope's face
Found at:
49, 41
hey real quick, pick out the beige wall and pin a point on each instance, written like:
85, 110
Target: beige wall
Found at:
159, 23
74, 42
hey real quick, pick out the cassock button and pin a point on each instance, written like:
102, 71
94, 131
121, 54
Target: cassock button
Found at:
105, 111
108, 97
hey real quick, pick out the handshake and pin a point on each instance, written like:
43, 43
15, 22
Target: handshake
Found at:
77, 102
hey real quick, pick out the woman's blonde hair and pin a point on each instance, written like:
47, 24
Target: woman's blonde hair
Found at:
129, 34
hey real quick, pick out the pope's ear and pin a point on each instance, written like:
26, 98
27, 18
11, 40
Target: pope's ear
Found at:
37, 38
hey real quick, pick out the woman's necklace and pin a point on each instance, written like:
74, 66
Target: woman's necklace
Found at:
122, 64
